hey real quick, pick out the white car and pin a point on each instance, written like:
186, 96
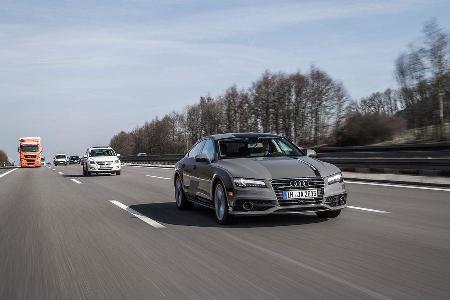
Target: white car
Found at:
60, 159
101, 160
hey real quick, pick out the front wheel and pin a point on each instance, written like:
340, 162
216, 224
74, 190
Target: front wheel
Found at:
328, 214
180, 196
118, 173
221, 205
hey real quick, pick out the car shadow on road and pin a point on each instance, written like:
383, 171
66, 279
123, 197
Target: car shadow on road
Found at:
167, 212
81, 175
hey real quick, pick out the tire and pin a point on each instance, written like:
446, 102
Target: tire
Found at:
118, 173
328, 214
221, 205
180, 196
84, 172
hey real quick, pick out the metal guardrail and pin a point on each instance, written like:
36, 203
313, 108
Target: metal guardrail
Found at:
427, 159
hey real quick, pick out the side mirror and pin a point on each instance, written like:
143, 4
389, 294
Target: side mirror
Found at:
118, 154
202, 158
311, 153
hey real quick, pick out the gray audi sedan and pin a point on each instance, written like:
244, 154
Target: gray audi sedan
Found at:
257, 174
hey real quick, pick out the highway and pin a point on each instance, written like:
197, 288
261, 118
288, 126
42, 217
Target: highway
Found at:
65, 236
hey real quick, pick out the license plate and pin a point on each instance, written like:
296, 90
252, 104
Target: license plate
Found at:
303, 194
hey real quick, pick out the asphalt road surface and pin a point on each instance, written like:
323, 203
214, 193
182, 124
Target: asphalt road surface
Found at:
65, 236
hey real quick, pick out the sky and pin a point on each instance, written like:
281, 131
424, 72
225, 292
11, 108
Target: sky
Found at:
77, 72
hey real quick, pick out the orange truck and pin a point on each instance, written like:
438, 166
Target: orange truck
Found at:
30, 150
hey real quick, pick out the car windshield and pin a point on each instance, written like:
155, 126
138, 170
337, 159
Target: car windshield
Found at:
60, 156
29, 148
74, 157
257, 147
102, 152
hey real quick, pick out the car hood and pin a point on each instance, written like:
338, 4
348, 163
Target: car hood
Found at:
277, 167
103, 158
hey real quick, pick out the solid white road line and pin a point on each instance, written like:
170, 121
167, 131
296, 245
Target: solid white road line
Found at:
7, 172
368, 209
159, 177
61, 173
400, 186
76, 181
137, 214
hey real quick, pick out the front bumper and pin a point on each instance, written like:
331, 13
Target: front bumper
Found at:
264, 201
102, 169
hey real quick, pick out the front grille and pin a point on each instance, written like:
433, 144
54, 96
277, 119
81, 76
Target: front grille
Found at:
30, 156
281, 185
104, 163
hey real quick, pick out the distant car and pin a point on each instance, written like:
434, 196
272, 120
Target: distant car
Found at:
257, 174
60, 159
101, 160
74, 159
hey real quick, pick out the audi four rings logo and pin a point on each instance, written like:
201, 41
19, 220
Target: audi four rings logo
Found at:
299, 183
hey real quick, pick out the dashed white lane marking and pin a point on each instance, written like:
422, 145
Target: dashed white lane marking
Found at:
76, 181
138, 215
368, 209
400, 186
159, 177
61, 173
7, 172
54, 169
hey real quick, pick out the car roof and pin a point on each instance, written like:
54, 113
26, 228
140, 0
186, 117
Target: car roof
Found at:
241, 135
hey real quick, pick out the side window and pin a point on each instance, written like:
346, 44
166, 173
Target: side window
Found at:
209, 149
196, 149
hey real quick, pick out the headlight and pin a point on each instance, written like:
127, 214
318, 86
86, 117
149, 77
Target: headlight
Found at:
117, 161
335, 178
92, 162
243, 183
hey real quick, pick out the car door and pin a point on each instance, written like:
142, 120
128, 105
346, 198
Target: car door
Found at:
205, 170
189, 177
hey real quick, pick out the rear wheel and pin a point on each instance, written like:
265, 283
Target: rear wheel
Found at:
221, 204
180, 196
328, 214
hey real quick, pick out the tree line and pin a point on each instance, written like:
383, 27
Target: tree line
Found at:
311, 108
3, 157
